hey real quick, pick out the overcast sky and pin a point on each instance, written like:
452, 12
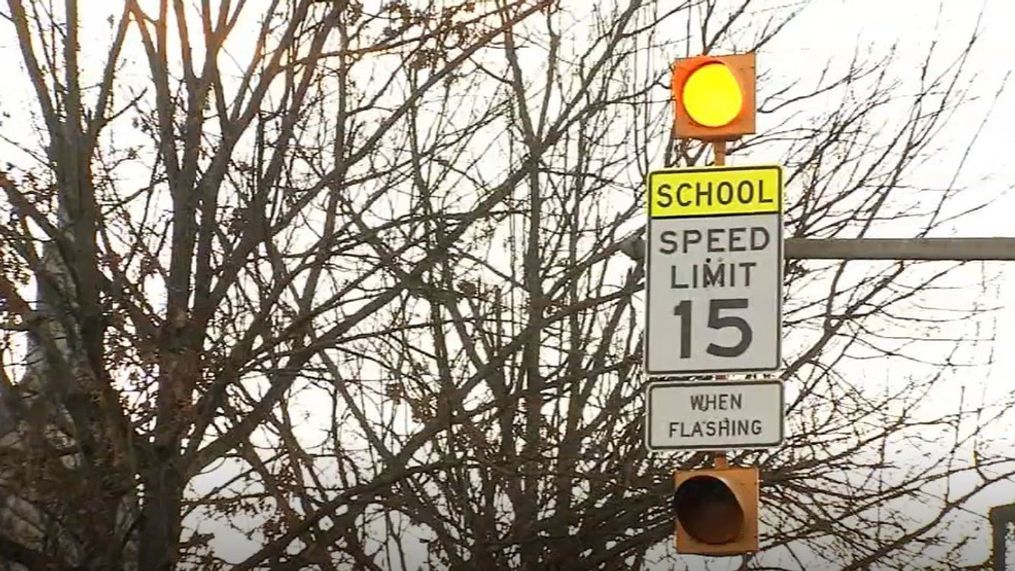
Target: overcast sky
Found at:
830, 28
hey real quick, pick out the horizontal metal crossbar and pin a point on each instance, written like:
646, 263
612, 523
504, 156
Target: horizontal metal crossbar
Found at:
958, 249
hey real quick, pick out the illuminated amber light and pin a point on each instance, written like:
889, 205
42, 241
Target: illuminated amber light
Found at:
712, 96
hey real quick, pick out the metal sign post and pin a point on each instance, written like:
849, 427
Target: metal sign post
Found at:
714, 305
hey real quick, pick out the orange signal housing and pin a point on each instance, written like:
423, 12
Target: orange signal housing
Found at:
742, 67
717, 511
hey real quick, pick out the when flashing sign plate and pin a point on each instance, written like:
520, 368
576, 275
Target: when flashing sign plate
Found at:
714, 267
714, 415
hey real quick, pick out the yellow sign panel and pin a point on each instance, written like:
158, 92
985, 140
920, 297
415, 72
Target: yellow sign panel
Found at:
714, 191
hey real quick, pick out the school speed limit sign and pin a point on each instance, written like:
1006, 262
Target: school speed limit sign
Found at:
714, 270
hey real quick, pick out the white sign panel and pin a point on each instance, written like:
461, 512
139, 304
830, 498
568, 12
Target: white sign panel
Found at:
714, 271
715, 415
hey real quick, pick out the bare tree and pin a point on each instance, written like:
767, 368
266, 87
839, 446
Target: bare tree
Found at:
347, 280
